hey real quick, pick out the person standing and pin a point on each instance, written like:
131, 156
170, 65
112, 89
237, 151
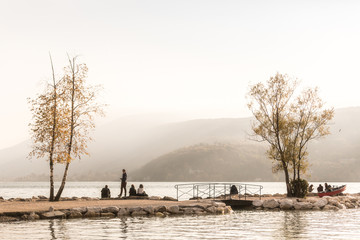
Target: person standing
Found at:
123, 183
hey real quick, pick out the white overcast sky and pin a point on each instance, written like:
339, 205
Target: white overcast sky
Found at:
191, 58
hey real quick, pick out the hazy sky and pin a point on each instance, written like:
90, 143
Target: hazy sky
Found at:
194, 59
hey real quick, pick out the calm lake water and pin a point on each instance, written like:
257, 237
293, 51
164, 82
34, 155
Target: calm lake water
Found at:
242, 224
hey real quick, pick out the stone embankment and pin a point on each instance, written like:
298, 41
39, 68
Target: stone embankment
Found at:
134, 208
311, 203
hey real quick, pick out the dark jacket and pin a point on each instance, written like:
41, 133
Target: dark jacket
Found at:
132, 191
124, 177
105, 193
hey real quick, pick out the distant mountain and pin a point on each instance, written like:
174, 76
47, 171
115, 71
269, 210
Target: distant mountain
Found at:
133, 142
210, 162
126, 143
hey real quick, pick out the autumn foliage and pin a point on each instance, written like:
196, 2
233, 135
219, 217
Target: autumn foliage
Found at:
287, 123
63, 117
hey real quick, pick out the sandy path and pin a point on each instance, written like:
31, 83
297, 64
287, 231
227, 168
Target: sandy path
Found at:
45, 205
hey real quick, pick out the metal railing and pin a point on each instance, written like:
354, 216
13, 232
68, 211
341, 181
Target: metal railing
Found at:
216, 190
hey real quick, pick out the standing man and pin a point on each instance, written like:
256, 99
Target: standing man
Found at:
123, 183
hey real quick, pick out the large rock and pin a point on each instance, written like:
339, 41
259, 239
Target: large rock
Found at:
134, 209
159, 214
220, 210
91, 214
189, 211
303, 206
167, 198
257, 203
211, 209
286, 204
123, 212
228, 210
112, 209
75, 214
139, 213
149, 210
271, 203
83, 210
173, 209
349, 205
94, 209
330, 207
53, 214
33, 216
160, 209
321, 202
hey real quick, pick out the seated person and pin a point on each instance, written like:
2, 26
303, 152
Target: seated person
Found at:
105, 192
320, 188
132, 191
311, 188
140, 191
233, 190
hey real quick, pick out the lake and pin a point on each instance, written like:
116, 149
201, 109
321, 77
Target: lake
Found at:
242, 224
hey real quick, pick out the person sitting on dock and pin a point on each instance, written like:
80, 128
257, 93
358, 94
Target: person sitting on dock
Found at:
320, 188
233, 190
140, 191
105, 192
132, 191
311, 188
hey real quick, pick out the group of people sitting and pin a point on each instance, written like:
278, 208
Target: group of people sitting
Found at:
105, 192
139, 192
328, 188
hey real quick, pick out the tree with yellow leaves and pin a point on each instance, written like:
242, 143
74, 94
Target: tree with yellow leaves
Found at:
81, 108
287, 124
48, 128
63, 117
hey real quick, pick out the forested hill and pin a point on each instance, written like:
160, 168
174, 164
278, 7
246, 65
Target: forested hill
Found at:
150, 149
210, 162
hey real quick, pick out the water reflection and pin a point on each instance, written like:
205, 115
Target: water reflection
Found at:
293, 224
241, 224
124, 227
52, 230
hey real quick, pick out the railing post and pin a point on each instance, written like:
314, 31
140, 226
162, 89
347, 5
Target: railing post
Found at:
214, 191
177, 192
245, 191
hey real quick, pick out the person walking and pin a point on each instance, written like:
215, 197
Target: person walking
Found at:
123, 183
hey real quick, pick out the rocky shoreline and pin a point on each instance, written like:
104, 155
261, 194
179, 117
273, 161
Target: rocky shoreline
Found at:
119, 210
311, 203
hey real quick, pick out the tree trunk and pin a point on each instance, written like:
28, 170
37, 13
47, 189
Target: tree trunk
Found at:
51, 198
62, 186
287, 180
72, 125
